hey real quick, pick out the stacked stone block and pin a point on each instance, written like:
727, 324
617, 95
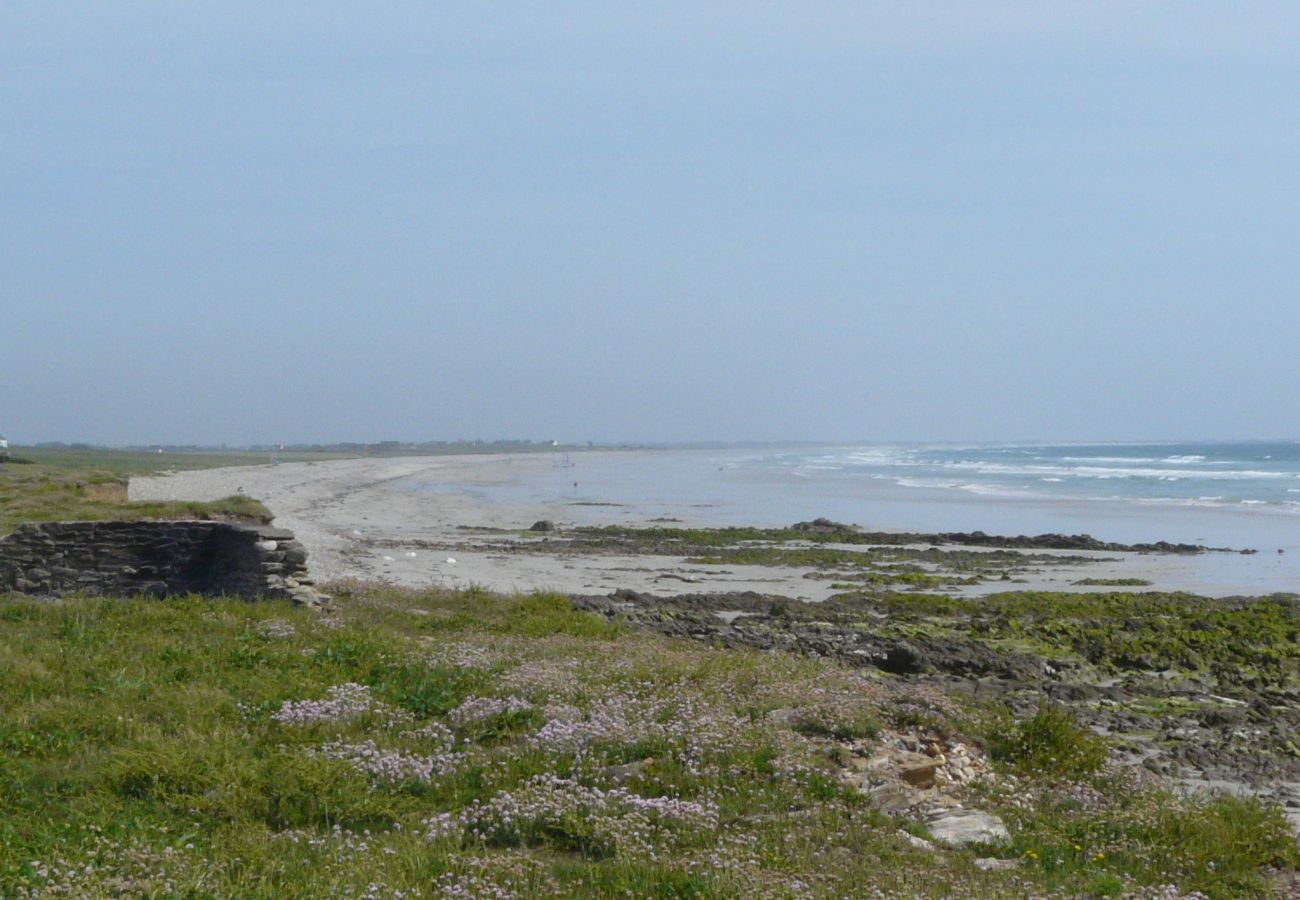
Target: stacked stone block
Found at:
158, 559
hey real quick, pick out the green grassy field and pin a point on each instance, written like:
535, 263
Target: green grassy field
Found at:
461, 744
464, 744
64, 485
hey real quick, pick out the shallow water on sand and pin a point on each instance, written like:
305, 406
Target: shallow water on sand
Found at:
1240, 496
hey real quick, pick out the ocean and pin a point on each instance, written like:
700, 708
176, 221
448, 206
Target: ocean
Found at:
1204, 475
1234, 495
1260, 477
1219, 493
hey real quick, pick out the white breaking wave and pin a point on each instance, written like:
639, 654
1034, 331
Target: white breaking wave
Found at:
987, 468
1034, 471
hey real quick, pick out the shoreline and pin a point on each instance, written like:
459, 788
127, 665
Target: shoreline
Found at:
457, 521
361, 520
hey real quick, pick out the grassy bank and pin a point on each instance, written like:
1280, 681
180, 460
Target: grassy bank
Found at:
67, 485
464, 744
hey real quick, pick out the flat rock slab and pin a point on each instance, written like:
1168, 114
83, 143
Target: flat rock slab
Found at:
996, 865
959, 827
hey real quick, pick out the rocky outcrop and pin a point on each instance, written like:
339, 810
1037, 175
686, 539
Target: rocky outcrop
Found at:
827, 530
156, 559
755, 621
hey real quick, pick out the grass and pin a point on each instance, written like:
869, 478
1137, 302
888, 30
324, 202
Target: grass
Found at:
469, 744
1217, 843
1051, 742
58, 485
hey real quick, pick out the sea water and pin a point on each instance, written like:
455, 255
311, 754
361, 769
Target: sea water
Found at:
1237, 495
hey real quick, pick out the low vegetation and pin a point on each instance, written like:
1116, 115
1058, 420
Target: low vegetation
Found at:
840, 555
1049, 741
1254, 641
471, 745
69, 485
1113, 582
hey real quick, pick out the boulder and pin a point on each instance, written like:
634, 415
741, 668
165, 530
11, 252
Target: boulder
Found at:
959, 827
902, 659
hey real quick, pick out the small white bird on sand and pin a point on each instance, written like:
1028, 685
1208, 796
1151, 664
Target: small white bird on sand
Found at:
450, 560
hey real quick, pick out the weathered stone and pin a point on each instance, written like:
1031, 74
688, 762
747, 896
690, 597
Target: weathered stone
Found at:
784, 716
989, 864
155, 559
891, 797
960, 827
920, 776
902, 659
919, 843
629, 770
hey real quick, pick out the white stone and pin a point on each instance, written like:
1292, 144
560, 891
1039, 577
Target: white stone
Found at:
960, 827
917, 842
988, 864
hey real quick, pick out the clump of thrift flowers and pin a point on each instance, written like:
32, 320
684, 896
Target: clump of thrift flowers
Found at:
604, 822
482, 709
341, 702
391, 766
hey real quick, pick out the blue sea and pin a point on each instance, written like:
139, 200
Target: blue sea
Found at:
1227, 494
1265, 475
1235, 495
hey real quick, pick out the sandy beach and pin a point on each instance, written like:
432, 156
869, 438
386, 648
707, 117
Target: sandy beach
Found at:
419, 521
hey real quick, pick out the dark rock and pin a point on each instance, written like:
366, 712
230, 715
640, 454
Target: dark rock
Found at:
902, 659
542, 525
824, 528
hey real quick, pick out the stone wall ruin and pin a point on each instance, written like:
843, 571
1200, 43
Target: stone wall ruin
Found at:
158, 559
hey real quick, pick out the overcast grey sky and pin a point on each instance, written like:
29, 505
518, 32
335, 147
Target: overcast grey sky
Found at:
263, 221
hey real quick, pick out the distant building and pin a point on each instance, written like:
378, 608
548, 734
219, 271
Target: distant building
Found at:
4, 447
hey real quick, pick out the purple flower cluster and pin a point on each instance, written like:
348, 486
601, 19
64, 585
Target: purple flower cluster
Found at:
1081, 796
343, 845
619, 719
615, 818
133, 868
695, 732
450, 886
342, 702
463, 655
391, 766
482, 709
1164, 892
434, 733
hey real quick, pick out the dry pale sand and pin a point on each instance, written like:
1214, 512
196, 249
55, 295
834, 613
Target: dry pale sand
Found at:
361, 518
357, 520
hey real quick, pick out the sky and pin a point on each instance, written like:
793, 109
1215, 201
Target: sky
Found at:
248, 222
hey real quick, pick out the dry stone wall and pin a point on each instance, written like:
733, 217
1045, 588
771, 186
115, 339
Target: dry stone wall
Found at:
156, 559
